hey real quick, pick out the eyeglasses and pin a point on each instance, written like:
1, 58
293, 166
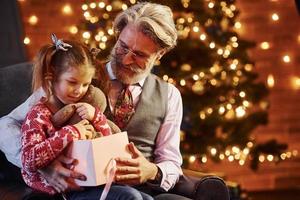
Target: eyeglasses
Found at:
138, 56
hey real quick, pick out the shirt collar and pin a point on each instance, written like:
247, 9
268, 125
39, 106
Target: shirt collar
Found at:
113, 77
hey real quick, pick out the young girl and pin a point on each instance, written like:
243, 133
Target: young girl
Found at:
64, 70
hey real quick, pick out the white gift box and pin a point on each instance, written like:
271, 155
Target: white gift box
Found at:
94, 156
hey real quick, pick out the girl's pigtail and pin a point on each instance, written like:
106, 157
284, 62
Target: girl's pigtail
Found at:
43, 70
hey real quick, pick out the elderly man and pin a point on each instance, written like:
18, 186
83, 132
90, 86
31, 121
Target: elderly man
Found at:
145, 106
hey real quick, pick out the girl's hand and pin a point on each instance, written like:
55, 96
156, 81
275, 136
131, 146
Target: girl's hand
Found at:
85, 129
85, 111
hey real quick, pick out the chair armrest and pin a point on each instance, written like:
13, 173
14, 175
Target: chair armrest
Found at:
201, 187
211, 187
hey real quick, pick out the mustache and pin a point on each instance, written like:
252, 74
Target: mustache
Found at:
117, 59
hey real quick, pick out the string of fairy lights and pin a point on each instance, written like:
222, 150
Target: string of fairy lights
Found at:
230, 108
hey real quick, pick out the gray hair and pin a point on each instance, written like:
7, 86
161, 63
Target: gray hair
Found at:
154, 20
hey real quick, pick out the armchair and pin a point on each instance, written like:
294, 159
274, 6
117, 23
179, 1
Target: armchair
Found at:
15, 84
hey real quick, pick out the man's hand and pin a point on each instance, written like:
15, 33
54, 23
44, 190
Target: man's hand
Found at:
135, 170
60, 176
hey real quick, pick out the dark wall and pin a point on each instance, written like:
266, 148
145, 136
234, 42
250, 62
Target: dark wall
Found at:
11, 34
298, 5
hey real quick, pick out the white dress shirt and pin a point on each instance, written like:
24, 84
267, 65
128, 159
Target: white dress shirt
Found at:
167, 155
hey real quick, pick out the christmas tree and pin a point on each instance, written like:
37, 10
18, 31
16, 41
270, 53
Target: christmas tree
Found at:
223, 101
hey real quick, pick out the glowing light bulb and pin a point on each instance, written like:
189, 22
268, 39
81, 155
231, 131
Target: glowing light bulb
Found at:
221, 156
124, 7
286, 58
283, 156
67, 9
73, 29
240, 111
220, 51
192, 159
275, 17
182, 82
233, 66
237, 25
235, 44
195, 77
233, 39
102, 45
26, 40
249, 144
209, 110
242, 94
264, 45
241, 162
270, 158
270, 81
201, 74
222, 110
261, 158
202, 36
171, 80
246, 103
86, 35
248, 67
104, 39
165, 77
228, 106
295, 152
84, 7
186, 67
196, 29
235, 149
93, 5
33, 20
202, 115
231, 158
110, 31
213, 151
246, 151
109, 8
213, 82
296, 82
101, 5
211, 4
87, 14
232, 7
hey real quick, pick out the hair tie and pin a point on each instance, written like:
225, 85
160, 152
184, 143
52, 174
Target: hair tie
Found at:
59, 44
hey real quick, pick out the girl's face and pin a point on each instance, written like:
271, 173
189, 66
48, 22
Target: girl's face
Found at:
73, 84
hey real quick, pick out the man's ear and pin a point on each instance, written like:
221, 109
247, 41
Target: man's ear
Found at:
161, 53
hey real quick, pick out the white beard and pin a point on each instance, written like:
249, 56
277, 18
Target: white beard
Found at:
129, 74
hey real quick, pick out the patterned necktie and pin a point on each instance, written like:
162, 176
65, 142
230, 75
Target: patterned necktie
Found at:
124, 108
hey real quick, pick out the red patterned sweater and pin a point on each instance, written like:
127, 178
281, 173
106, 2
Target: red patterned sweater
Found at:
42, 143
